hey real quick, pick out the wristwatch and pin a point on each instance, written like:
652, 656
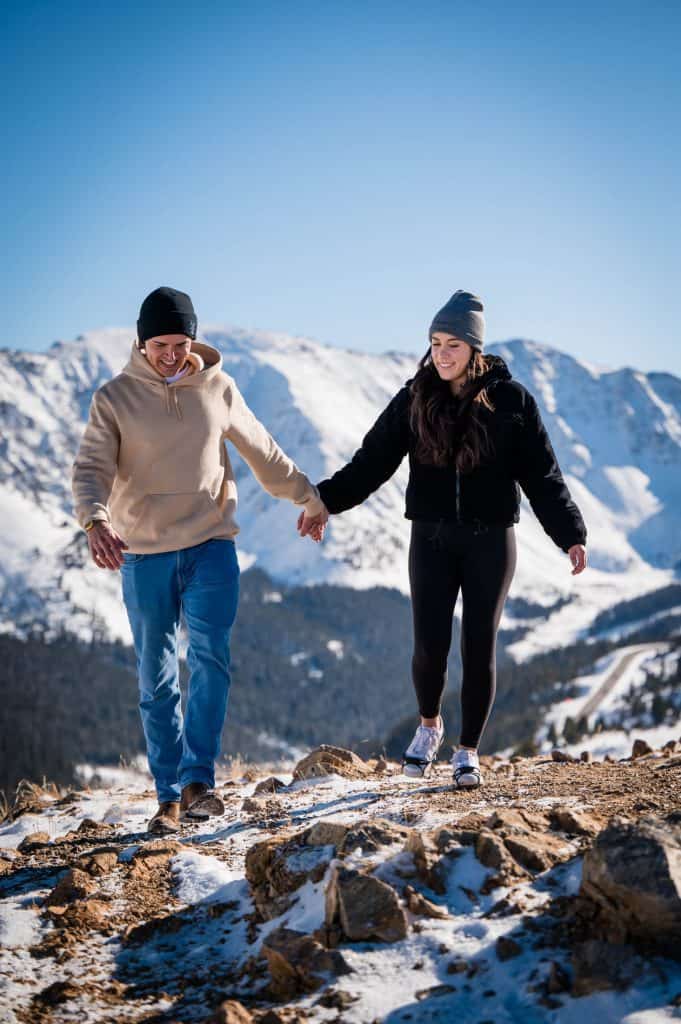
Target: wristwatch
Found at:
90, 523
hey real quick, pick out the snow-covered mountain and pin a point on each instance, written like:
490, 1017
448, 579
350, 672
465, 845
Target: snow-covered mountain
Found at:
617, 434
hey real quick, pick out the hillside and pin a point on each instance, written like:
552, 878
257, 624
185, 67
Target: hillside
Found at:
336, 891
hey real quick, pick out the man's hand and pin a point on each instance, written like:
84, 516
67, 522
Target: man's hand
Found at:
313, 525
106, 547
577, 555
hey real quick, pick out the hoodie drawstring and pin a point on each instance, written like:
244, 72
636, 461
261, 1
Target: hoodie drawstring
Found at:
178, 410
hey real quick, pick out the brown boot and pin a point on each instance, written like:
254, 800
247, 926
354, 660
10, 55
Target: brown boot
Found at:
199, 802
166, 819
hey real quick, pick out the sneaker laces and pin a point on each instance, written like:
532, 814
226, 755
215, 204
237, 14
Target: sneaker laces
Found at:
425, 742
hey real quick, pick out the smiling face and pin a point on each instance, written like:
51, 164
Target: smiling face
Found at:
167, 352
451, 357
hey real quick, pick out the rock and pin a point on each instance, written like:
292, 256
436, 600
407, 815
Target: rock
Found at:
458, 966
153, 856
641, 748
671, 746
603, 965
539, 851
82, 915
299, 964
335, 999
558, 980
276, 867
231, 1012
58, 992
419, 905
326, 833
516, 819
252, 805
586, 756
506, 948
99, 862
631, 875
579, 823
270, 785
364, 906
328, 760
432, 865
562, 757
381, 766
371, 836
100, 828
75, 885
490, 849
33, 841
434, 991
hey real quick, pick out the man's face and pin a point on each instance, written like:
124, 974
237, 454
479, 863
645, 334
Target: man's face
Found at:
167, 352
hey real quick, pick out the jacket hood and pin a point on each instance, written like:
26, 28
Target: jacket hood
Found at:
139, 367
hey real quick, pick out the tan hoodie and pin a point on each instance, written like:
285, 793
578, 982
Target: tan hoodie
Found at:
153, 461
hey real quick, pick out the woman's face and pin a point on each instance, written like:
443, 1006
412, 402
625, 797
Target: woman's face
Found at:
450, 356
167, 352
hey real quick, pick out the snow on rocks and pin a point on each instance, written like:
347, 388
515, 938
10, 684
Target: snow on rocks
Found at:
365, 897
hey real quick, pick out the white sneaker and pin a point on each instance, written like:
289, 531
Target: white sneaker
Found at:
466, 769
421, 754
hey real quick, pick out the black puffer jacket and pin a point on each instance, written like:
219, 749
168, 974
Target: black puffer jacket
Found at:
523, 456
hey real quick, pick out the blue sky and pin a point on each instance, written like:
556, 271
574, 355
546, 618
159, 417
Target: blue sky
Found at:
339, 169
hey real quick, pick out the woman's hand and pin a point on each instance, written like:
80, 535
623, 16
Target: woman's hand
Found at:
313, 525
106, 547
577, 555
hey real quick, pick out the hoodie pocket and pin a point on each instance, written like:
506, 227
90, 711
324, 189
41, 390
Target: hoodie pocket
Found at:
179, 516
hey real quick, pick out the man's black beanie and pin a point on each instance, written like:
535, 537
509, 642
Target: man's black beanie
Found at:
463, 317
166, 311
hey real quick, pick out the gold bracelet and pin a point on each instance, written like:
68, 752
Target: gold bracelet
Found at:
88, 526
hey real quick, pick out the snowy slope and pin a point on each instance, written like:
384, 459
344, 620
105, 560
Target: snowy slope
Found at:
617, 434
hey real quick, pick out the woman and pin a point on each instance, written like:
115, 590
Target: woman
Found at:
472, 434
154, 489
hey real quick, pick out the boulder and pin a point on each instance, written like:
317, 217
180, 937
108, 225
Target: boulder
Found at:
580, 823
270, 785
422, 907
538, 852
562, 757
231, 1012
153, 856
99, 862
276, 867
640, 748
364, 906
432, 864
326, 833
506, 948
74, 885
371, 836
328, 760
298, 963
631, 875
33, 841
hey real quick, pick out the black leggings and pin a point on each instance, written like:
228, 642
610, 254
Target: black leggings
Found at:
444, 557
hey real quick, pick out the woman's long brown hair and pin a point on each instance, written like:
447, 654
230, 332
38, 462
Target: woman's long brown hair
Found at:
447, 432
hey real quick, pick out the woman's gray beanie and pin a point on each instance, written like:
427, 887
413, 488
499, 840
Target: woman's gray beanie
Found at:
463, 317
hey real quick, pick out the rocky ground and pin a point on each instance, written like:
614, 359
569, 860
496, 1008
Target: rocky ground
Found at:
340, 891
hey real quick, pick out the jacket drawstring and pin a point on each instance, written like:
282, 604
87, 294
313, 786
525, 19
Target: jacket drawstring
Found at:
178, 410
167, 391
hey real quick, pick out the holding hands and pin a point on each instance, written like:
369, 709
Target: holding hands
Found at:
314, 526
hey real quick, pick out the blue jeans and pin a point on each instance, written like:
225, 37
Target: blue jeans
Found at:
201, 584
